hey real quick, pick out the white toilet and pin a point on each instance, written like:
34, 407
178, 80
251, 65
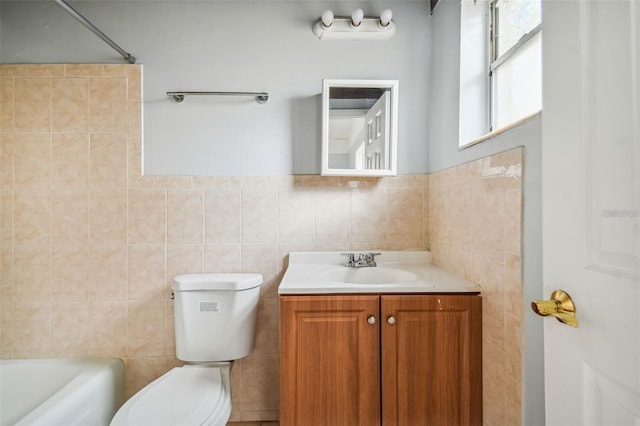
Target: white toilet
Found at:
215, 321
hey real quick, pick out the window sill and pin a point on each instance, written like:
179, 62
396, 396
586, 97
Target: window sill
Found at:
499, 131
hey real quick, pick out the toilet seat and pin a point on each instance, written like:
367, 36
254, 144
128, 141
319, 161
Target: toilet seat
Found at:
188, 395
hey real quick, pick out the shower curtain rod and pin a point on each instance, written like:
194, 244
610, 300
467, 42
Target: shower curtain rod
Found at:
127, 56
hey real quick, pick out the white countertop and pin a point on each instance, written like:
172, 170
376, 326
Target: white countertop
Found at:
311, 272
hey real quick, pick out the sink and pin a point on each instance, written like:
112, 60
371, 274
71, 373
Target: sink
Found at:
396, 272
369, 275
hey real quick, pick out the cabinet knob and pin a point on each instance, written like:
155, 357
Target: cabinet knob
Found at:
371, 320
391, 320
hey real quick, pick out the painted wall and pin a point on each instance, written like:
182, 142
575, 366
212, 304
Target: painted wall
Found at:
444, 153
234, 46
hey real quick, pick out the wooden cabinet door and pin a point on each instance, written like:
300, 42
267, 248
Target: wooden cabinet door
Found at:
431, 360
329, 361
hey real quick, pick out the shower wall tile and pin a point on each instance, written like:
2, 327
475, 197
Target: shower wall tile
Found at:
70, 272
70, 328
32, 105
108, 161
70, 160
147, 216
185, 214
6, 160
32, 160
7, 101
70, 105
108, 105
108, 216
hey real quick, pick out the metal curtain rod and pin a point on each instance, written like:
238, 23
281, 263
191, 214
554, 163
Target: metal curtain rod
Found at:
261, 97
127, 56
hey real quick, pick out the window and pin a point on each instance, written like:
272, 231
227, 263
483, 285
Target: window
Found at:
515, 70
500, 65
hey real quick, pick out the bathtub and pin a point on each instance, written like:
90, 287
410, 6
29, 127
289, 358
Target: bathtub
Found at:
48, 392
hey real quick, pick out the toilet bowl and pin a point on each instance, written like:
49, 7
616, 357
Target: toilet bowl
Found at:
215, 323
188, 395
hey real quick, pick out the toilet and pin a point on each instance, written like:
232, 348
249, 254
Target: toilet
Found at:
215, 323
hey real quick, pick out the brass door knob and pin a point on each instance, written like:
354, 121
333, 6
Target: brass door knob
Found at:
560, 306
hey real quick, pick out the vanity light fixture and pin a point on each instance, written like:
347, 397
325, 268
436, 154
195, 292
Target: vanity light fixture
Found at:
355, 27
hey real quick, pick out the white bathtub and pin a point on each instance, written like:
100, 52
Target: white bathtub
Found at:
48, 392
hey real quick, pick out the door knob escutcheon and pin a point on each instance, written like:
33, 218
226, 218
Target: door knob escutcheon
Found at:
560, 306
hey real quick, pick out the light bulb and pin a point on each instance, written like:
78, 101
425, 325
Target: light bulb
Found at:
385, 17
327, 18
356, 17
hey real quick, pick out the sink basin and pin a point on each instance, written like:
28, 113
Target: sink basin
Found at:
369, 275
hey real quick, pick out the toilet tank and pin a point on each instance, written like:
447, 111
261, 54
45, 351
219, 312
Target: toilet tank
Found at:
215, 315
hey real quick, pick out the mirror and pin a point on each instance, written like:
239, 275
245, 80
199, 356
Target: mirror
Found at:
359, 127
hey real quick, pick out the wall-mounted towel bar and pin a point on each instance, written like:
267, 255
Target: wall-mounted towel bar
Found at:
261, 97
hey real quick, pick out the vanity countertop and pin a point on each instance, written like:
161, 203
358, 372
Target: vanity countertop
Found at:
396, 272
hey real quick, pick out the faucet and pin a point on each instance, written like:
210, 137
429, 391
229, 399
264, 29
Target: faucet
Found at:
364, 260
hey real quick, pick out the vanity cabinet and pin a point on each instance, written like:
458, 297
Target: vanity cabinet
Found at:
391, 360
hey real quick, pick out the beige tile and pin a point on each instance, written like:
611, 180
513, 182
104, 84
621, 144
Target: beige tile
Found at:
135, 119
404, 215
108, 104
267, 329
222, 258
32, 111
108, 217
513, 221
147, 272
146, 320
107, 272
172, 182
247, 182
108, 161
14, 70
170, 335
70, 272
46, 70
135, 179
70, 327
7, 99
493, 385
142, 371
82, 70
70, 105
6, 328
369, 215
513, 402
70, 160
31, 329
147, 216
223, 216
32, 161
32, 272
260, 382
211, 182
260, 258
259, 215
108, 329
185, 213
332, 216
70, 216
6, 160
295, 215
184, 259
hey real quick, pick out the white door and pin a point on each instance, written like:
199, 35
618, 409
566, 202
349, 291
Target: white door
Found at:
591, 228
376, 123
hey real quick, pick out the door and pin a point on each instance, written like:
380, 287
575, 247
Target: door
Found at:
431, 360
329, 361
376, 130
591, 224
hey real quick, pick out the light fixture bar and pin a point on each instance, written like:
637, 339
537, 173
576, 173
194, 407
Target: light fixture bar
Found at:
355, 27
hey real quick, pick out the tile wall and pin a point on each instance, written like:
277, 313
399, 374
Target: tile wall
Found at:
88, 246
475, 213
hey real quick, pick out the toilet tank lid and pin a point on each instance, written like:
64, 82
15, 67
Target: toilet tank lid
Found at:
216, 281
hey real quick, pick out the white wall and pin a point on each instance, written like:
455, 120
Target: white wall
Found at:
234, 46
444, 153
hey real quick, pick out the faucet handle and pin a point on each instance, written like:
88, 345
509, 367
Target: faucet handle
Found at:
351, 258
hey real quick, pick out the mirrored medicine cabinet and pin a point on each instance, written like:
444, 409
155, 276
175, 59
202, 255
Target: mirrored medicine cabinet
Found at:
359, 127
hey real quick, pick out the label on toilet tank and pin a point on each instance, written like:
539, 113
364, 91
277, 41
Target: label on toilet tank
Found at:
208, 306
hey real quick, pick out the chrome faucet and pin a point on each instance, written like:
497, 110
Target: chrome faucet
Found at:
363, 260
